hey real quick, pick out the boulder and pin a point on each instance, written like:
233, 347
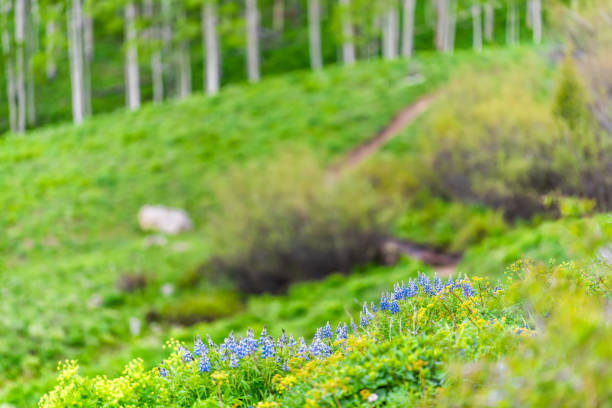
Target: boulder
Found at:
164, 219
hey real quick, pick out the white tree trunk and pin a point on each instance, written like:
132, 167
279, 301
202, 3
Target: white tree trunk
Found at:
157, 71
132, 75
537, 21
476, 28
348, 45
10, 80
489, 21
408, 29
450, 31
512, 24
391, 34
314, 34
529, 14
75, 20
50, 50
166, 34
20, 87
252, 34
31, 50
441, 24
88, 48
211, 48
184, 66
279, 16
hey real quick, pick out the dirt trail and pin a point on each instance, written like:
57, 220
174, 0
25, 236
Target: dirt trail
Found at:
443, 263
401, 120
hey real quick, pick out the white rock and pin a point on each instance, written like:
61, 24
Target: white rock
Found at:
164, 219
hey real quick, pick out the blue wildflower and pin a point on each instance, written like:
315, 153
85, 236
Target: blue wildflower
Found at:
285, 366
398, 292
302, 349
185, 354
437, 284
204, 365
162, 371
199, 348
327, 332
267, 349
384, 305
366, 312
250, 340
412, 290
394, 307
373, 307
353, 326
233, 362
211, 345
363, 321
467, 290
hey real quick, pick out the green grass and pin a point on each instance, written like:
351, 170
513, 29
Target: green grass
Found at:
69, 219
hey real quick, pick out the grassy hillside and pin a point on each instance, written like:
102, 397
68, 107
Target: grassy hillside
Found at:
70, 214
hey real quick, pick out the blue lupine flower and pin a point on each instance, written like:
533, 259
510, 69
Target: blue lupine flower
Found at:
346, 331
363, 320
394, 307
267, 349
250, 340
373, 307
338, 330
450, 282
327, 332
302, 349
398, 292
204, 365
285, 366
291, 342
186, 355
283, 337
467, 290
210, 342
243, 348
366, 312
263, 336
162, 371
319, 349
353, 326
384, 305
199, 348
412, 290
233, 363
437, 284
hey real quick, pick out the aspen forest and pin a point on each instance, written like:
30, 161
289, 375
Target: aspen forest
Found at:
305, 203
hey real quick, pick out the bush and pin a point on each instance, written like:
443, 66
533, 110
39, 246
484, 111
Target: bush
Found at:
281, 223
493, 140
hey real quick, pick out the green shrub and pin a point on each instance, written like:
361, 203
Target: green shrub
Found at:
284, 222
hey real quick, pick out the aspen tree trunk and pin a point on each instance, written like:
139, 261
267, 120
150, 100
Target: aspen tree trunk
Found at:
348, 45
408, 30
20, 87
477, 28
75, 21
88, 50
157, 72
529, 14
489, 21
279, 16
252, 33
314, 34
537, 21
441, 24
450, 30
10, 80
512, 24
211, 48
166, 34
31, 50
50, 50
391, 34
184, 64
132, 79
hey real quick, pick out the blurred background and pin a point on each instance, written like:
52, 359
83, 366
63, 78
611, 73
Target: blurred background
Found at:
172, 167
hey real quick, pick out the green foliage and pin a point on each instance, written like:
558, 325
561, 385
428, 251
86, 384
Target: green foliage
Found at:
282, 222
564, 362
200, 308
399, 357
570, 102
